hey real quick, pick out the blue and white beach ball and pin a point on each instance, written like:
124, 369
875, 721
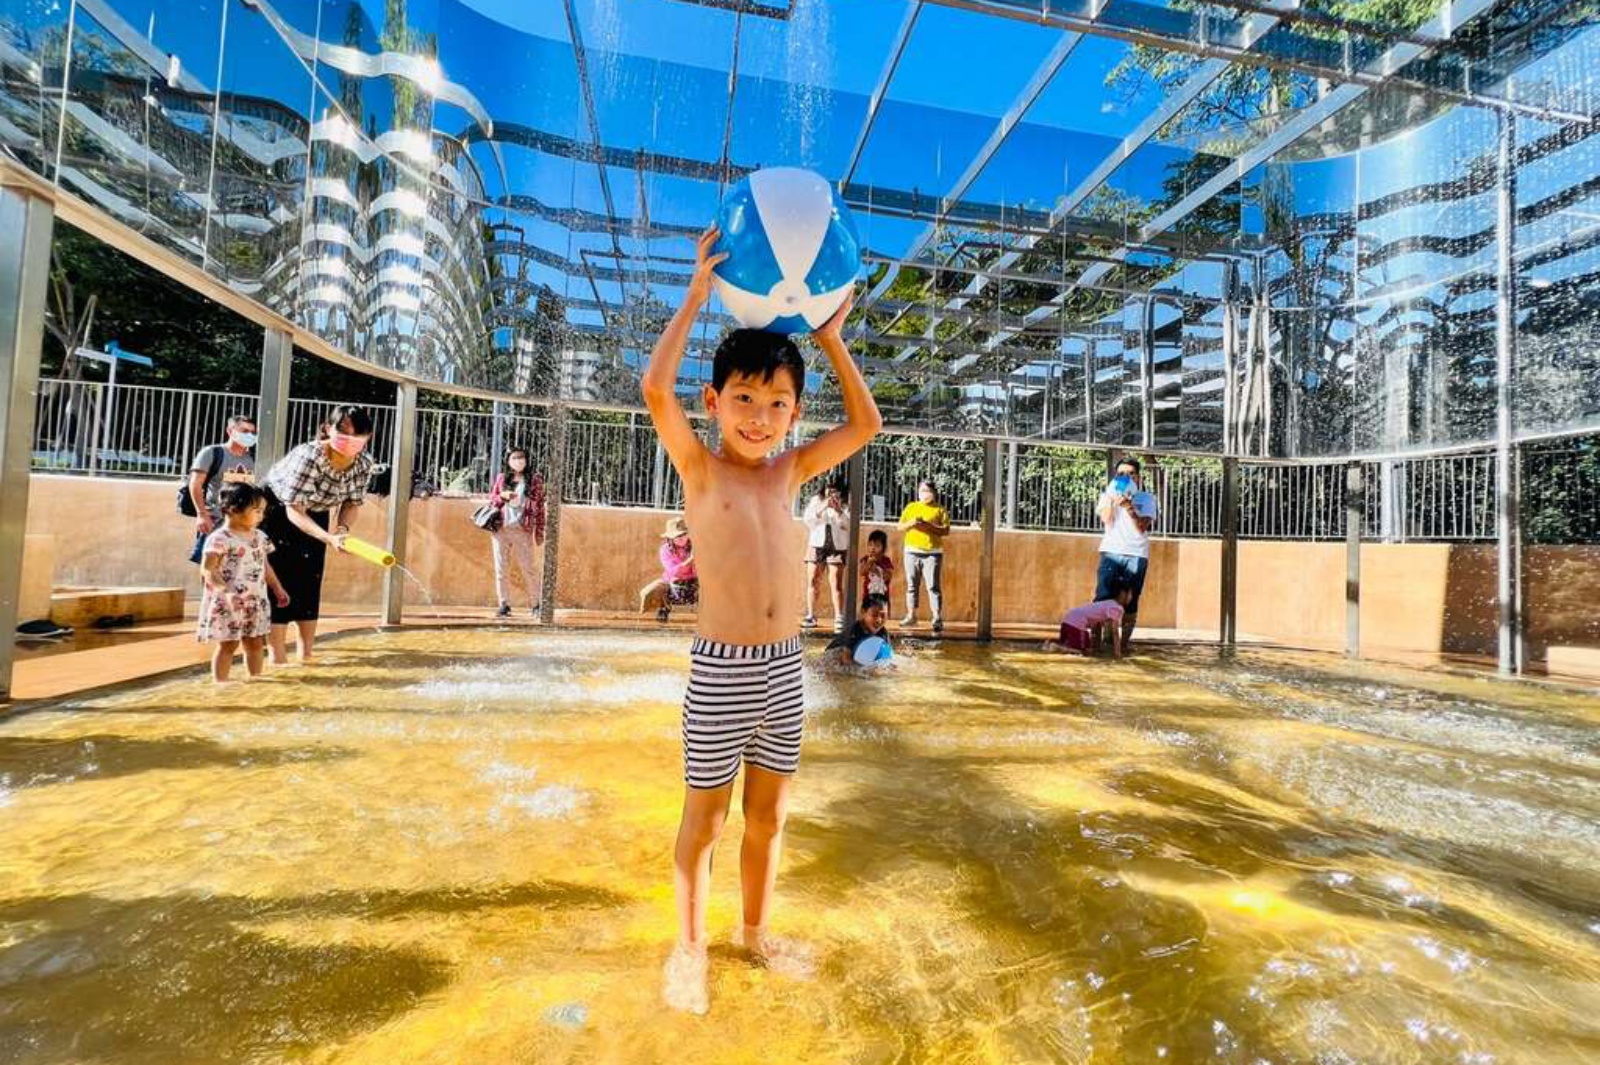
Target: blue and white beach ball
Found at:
872, 650
793, 252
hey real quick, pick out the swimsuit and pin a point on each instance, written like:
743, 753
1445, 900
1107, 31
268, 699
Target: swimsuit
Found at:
743, 702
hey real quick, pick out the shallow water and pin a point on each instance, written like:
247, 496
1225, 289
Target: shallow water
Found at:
453, 847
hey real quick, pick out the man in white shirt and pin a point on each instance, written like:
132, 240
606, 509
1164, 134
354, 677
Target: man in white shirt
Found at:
1128, 512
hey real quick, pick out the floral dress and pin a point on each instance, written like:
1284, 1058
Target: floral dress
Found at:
239, 609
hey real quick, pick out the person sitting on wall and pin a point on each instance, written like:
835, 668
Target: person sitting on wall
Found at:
678, 584
867, 642
216, 466
1086, 628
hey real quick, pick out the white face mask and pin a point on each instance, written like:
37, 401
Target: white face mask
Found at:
243, 439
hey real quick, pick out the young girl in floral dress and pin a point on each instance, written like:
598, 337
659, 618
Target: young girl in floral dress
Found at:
234, 608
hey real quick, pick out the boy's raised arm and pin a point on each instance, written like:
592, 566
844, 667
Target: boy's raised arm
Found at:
660, 381
861, 418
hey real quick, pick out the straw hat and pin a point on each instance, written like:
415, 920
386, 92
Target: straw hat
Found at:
676, 527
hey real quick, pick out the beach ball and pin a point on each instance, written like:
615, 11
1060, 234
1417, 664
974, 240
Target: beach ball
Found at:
792, 247
872, 650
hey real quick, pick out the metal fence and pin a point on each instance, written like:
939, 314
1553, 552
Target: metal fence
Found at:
615, 459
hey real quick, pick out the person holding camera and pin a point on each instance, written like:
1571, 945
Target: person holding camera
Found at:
1128, 513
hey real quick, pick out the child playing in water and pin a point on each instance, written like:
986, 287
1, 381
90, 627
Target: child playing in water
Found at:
678, 586
872, 624
876, 567
1083, 628
745, 699
233, 560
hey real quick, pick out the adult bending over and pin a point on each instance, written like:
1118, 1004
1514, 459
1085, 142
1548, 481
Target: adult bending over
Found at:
925, 524
304, 487
1128, 513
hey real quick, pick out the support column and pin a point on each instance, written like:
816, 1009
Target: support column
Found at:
497, 435
855, 472
1228, 612
1508, 522
272, 413
1230, 351
991, 508
400, 474
1354, 518
24, 277
554, 491
1147, 374
1011, 484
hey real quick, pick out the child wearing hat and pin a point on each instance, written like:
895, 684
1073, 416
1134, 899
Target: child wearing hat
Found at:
678, 585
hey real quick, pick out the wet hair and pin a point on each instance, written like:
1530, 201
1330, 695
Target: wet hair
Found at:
878, 536
759, 354
360, 420
239, 497
239, 419
1137, 469
875, 600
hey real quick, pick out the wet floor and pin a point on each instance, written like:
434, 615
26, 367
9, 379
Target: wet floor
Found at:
453, 847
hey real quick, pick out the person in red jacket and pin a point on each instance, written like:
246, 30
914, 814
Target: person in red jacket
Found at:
519, 495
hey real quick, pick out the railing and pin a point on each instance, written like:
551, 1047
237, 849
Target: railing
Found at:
615, 459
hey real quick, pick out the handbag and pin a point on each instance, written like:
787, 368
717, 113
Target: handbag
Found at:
488, 518
186, 501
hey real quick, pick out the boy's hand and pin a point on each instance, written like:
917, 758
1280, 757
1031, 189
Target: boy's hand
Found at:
831, 329
705, 262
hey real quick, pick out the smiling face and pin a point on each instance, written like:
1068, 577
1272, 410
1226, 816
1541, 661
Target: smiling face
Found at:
754, 415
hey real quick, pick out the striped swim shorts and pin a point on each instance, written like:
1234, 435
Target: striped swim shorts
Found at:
743, 702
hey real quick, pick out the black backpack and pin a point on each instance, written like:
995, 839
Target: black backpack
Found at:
185, 502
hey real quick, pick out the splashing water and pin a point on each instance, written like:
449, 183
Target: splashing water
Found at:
806, 60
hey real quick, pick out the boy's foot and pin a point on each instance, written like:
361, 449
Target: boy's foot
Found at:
683, 980
809, 621
786, 957
504, 611
908, 621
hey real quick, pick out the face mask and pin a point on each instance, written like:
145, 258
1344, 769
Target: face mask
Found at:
244, 439
348, 446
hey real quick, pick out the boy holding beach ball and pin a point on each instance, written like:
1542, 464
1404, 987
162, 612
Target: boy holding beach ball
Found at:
745, 700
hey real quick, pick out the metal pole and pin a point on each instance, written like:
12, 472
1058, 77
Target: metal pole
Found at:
24, 275
658, 478
1228, 613
991, 507
497, 434
554, 493
855, 473
272, 416
186, 449
400, 473
1507, 511
1354, 518
1011, 484
1230, 350
1147, 359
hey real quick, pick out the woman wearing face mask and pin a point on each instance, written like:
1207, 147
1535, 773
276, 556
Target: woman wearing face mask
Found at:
925, 523
520, 497
324, 476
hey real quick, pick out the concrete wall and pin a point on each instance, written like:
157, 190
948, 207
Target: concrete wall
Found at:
1415, 597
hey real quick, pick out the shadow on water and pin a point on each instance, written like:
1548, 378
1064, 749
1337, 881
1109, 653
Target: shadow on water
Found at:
27, 761
185, 978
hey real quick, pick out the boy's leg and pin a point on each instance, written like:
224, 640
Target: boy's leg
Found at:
684, 979
252, 654
766, 808
222, 659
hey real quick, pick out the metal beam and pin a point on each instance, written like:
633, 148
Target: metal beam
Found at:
400, 476
901, 38
272, 412
24, 280
1508, 517
991, 507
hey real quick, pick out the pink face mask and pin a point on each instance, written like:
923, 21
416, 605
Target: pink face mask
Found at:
346, 445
